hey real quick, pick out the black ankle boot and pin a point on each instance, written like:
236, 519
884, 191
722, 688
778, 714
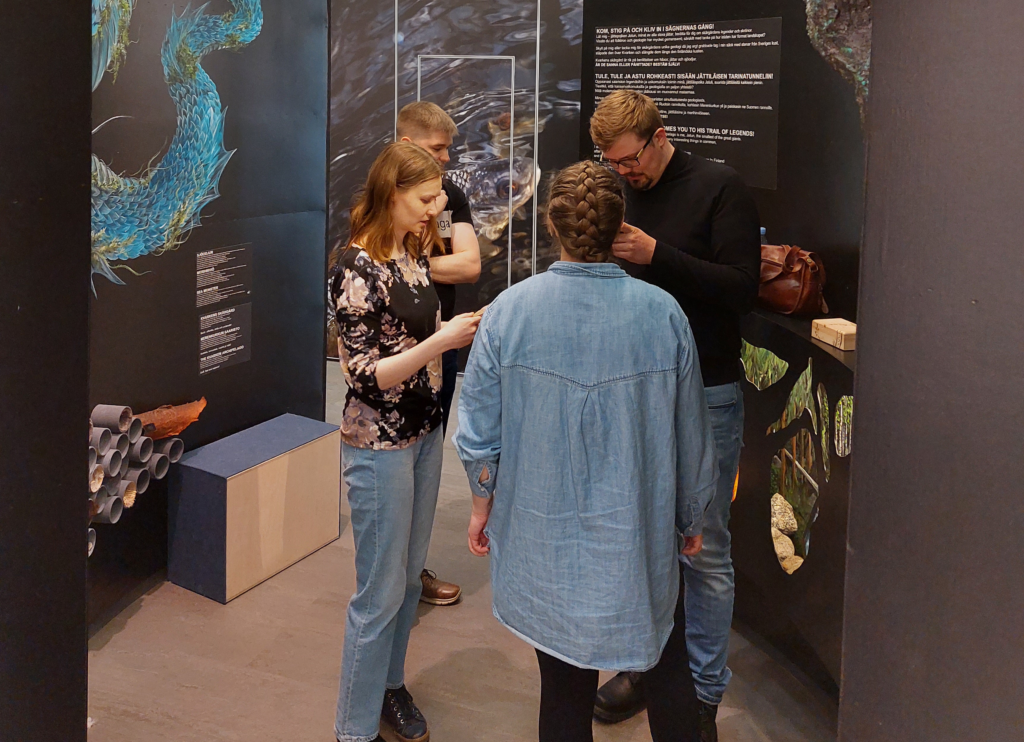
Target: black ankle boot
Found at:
708, 723
620, 698
401, 714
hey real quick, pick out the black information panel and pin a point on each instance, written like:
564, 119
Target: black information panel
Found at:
225, 338
222, 274
716, 85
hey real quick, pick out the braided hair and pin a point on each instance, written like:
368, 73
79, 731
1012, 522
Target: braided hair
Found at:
585, 211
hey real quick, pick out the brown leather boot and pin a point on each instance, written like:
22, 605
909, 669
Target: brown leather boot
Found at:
438, 592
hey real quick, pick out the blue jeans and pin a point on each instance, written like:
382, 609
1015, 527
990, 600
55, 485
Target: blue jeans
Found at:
393, 495
710, 583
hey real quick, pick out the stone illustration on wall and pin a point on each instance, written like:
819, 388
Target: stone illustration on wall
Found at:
784, 526
794, 480
826, 462
800, 399
844, 426
840, 31
762, 367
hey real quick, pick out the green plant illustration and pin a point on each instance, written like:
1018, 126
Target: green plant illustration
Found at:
800, 399
826, 462
844, 426
762, 367
794, 475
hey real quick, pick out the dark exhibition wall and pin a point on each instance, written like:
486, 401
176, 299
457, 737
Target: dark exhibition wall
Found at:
933, 602
44, 251
209, 224
211, 178
478, 60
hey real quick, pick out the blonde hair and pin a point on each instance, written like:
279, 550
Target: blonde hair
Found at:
422, 117
398, 167
621, 112
585, 211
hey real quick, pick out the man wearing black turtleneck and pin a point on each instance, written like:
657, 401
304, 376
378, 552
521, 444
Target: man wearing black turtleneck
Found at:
693, 230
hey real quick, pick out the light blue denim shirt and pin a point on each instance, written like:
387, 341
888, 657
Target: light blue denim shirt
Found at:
583, 401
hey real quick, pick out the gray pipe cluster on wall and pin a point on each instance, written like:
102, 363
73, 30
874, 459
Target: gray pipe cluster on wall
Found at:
122, 463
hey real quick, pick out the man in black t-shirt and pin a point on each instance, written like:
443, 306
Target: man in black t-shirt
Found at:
455, 218
427, 125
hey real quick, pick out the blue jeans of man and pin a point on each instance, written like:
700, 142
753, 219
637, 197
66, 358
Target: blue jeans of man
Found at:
392, 495
710, 582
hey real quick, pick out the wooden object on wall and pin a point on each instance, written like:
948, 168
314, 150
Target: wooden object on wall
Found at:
839, 333
248, 506
169, 420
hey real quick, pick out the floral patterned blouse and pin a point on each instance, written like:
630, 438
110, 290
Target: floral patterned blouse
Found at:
384, 309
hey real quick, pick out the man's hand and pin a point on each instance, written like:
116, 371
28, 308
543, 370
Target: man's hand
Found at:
634, 245
440, 202
693, 544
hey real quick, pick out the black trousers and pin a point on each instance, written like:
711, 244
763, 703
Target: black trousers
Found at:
449, 374
567, 694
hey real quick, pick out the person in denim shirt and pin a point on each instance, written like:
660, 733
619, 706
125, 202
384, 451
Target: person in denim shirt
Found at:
584, 430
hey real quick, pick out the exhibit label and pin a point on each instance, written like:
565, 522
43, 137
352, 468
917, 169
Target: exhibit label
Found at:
716, 85
225, 337
222, 274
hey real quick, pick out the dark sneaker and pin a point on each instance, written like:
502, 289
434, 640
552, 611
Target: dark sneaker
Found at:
438, 592
401, 714
620, 698
708, 725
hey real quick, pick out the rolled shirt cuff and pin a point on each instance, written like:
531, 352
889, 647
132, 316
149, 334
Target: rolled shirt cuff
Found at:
696, 527
696, 505
474, 469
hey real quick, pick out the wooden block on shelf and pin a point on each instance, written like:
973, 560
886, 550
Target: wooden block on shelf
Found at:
839, 333
246, 507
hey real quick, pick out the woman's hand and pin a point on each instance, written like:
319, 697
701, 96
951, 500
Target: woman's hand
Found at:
459, 331
693, 544
455, 334
479, 544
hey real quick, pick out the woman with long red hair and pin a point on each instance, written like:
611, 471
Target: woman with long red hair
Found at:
390, 342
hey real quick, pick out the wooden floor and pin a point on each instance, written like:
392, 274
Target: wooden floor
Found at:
176, 666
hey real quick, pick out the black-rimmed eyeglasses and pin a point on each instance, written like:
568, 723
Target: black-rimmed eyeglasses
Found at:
628, 162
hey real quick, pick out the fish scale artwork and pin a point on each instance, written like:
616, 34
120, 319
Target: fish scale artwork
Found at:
153, 212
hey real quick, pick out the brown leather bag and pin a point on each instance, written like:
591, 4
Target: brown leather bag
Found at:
792, 281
